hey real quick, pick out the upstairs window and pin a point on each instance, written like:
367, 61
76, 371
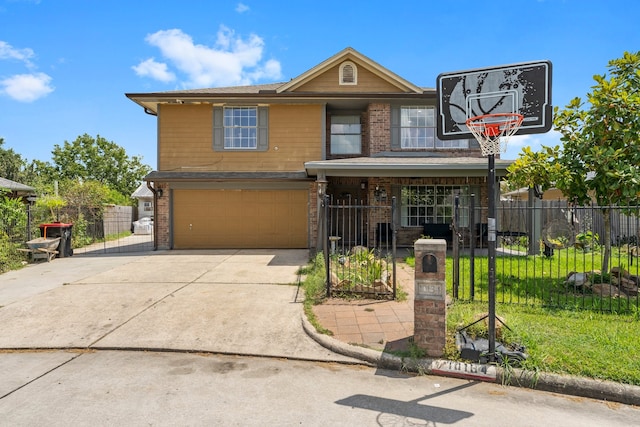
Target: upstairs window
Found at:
240, 128
346, 135
413, 127
348, 74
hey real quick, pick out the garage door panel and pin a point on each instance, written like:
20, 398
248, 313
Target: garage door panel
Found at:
240, 219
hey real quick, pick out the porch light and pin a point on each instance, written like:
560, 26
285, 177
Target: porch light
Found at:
322, 187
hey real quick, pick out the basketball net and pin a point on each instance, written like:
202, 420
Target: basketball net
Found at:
494, 130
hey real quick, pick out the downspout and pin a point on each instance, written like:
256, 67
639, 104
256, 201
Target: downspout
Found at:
155, 219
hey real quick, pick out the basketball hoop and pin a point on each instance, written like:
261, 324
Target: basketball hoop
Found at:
493, 130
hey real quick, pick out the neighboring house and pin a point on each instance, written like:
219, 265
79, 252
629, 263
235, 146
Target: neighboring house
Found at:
145, 201
243, 167
15, 189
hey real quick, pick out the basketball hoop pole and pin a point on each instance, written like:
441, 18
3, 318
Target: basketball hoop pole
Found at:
491, 247
489, 129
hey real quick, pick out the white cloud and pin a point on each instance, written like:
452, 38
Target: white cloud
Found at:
155, 70
9, 52
23, 87
231, 61
27, 87
241, 8
535, 141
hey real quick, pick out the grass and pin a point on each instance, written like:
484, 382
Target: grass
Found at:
586, 343
583, 342
315, 290
540, 280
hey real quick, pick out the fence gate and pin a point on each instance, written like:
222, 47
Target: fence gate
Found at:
360, 248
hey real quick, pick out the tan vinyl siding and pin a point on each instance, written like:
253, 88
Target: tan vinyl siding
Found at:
186, 140
368, 82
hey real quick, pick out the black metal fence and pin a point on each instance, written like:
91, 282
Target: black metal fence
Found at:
549, 253
92, 233
360, 249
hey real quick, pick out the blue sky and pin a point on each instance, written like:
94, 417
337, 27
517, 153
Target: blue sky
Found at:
66, 65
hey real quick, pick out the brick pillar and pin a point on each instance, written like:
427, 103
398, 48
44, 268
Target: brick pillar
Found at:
430, 309
161, 216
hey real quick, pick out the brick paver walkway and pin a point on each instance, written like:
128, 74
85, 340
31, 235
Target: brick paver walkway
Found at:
380, 325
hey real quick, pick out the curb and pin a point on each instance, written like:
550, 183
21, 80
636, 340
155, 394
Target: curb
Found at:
562, 384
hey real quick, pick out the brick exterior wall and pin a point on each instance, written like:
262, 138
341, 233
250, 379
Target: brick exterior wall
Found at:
314, 210
161, 216
379, 127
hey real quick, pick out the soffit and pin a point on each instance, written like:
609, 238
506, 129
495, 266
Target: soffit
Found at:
407, 167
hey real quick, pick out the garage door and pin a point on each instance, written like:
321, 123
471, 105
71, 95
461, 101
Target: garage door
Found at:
240, 219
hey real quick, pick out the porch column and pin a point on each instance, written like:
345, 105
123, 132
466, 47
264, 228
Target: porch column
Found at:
430, 309
321, 237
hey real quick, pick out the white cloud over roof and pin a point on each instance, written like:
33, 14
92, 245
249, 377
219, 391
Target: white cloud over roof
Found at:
231, 61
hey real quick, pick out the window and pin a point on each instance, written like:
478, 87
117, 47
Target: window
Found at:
147, 207
240, 128
345, 135
414, 127
348, 74
432, 204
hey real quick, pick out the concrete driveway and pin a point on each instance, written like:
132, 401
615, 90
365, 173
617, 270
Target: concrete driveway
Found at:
224, 301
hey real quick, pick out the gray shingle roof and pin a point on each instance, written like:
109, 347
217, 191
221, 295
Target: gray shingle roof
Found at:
14, 186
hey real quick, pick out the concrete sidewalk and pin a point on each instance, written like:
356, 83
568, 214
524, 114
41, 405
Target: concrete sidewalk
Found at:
223, 301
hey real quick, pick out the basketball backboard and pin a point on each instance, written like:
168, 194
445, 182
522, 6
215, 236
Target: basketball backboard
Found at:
523, 88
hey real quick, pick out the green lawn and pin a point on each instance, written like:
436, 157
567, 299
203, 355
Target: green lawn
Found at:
538, 280
581, 340
584, 342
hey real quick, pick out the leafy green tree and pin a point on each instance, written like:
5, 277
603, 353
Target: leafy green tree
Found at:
40, 175
600, 154
97, 159
11, 164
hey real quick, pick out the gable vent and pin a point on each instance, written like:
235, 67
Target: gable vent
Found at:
348, 74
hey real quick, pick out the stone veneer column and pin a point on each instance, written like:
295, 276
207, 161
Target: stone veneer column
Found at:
430, 309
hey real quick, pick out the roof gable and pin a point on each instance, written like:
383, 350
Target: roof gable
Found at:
388, 80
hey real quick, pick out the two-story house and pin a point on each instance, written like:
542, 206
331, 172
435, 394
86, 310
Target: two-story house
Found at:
243, 167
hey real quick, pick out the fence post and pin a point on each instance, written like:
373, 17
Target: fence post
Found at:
472, 246
456, 247
394, 232
535, 223
325, 240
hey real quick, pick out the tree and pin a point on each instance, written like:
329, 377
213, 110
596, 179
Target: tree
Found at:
100, 160
600, 153
11, 164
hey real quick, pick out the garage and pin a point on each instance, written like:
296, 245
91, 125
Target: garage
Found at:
240, 218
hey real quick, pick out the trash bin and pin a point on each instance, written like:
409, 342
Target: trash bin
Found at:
62, 230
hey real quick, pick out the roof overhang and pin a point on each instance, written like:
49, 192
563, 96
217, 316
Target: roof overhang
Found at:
150, 101
16, 187
407, 167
